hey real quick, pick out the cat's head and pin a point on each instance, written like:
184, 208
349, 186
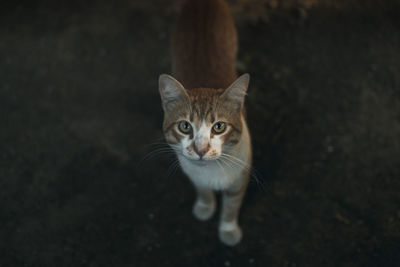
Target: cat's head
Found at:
202, 123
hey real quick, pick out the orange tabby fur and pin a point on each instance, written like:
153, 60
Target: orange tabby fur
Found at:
206, 93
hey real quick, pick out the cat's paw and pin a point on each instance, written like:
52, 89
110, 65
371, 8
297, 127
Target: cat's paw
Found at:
203, 211
231, 236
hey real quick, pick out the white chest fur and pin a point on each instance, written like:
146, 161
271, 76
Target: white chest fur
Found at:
223, 173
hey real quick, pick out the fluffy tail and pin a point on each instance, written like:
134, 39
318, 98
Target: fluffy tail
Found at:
204, 45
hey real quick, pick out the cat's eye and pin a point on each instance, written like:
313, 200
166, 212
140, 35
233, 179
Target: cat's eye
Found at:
185, 127
219, 127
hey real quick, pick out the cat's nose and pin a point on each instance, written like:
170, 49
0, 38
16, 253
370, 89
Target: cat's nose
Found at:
201, 150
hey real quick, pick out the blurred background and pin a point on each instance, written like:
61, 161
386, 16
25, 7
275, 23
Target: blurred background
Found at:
80, 110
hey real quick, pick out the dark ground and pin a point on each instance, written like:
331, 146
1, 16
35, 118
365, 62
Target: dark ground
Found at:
79, 102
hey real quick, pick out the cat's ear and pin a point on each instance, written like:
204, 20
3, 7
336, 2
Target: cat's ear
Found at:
171, 91
237, 91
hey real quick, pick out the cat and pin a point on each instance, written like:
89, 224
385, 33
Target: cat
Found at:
204, 115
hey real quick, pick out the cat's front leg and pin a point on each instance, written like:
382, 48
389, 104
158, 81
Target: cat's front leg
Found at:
230, 232
204, 207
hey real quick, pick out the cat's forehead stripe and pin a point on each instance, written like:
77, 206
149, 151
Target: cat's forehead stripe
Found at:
203, 103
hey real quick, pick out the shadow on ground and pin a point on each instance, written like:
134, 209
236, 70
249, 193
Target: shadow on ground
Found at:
80, 106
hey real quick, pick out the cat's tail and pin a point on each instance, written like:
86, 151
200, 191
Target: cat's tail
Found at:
204, 45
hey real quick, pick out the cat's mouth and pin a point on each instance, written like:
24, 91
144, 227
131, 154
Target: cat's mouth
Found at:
202, 161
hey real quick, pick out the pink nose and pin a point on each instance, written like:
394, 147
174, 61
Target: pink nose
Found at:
201, 151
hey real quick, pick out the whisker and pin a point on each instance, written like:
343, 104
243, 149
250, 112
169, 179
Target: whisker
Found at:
222, 168
157, 152
172, 168
223, 160
252, 171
